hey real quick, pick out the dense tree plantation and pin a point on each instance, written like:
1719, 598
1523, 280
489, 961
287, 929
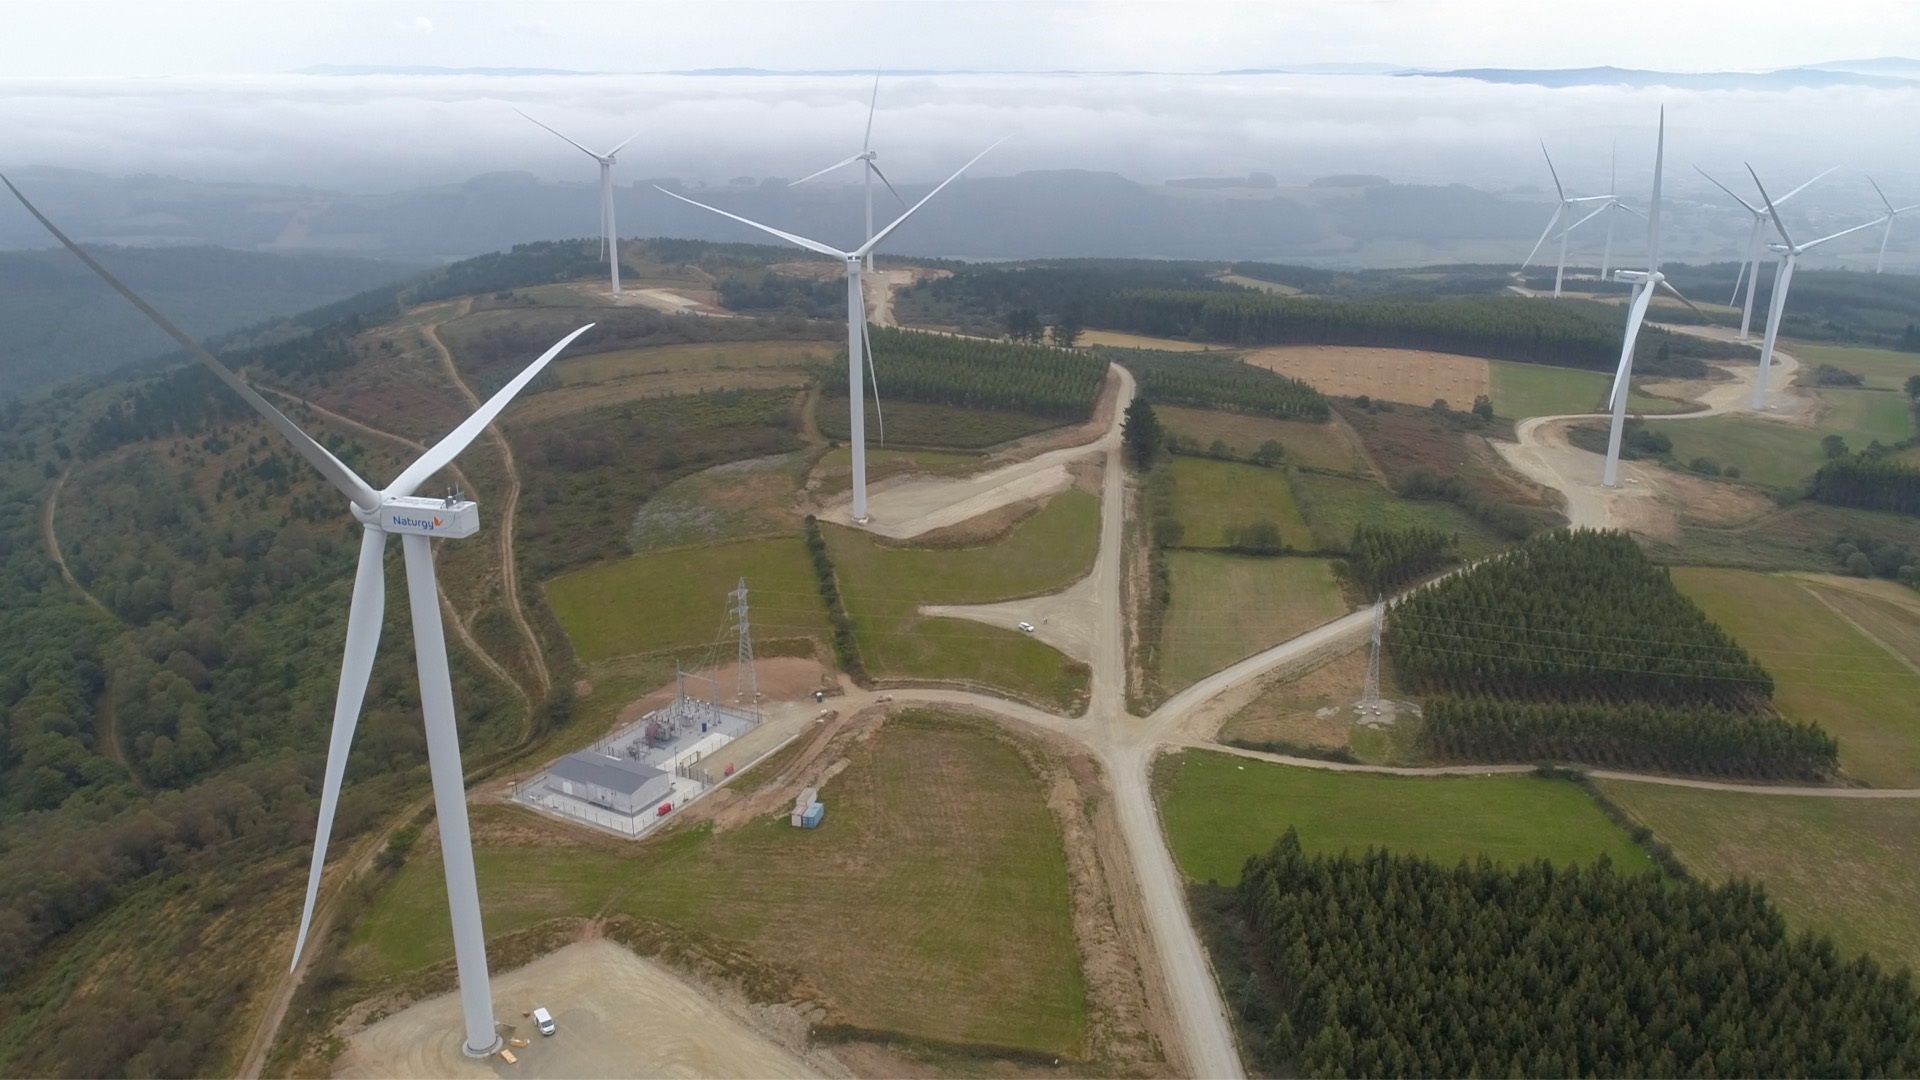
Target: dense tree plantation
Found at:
1568, 616
976, 298
769, 291
1698, 739
1218, 382
1390, 965
1382, 559
1499, 328
1869, 482
1457, 280
937, 369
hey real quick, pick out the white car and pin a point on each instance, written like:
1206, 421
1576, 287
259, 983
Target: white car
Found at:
1026, 627
543, 1020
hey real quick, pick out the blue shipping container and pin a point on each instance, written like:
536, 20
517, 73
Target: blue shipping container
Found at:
811, 819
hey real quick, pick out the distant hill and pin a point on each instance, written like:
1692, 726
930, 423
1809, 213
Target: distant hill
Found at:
1784, 79
58, 321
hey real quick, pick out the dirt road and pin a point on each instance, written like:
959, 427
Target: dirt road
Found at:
509, 570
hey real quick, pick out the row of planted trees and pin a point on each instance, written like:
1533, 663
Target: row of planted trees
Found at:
1220, 382
1391, 965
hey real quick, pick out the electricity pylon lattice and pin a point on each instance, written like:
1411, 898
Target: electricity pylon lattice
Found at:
748, 685
1371, 695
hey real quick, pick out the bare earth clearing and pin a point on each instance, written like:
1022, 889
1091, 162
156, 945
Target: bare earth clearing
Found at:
622, 1016
1414, 376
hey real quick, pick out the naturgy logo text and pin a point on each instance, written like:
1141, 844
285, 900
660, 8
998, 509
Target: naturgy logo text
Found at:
405, 522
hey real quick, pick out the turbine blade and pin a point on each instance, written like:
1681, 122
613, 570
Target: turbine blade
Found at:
1809, 183
901, 220
874, 378
1544, 233
564, 139
1751, 209
1884, 201
1779, 225
1630, 210
448, 448
322, 459
866, 142
1589, 217
1562, 192
1668, 285
623, 145
1811, 244
365, 614
1904, 209
1737, 279
889, 183
816, 175
1653, 205
1636, 315
810, 245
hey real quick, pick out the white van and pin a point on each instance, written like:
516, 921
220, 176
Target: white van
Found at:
544, 1021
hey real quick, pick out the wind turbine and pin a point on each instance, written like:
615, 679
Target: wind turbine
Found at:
1613, 204
856, 317
1563, 211
393, 509
609, 234
1881, 262
1645, 283
1790, 253
866, 156
1750, 269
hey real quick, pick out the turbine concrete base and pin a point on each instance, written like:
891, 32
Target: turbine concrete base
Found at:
487, 1053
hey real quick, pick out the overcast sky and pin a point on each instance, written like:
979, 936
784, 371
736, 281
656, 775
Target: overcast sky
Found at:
151, 37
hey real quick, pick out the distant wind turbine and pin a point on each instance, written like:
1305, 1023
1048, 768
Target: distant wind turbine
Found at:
609, 232
1789, 253
1881, 262
1562, 213
856, 317
1616, 206
394, 509
1750, 269
1645, 283
866, 156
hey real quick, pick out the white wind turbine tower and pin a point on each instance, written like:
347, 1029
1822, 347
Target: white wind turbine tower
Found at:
609, 233
866, 157
856, 318
1789, 253
1881, 262
1562, 212
393, 509
1750, 269
1645, 284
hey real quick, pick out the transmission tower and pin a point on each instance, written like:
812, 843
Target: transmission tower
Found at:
1370, 696
748, 686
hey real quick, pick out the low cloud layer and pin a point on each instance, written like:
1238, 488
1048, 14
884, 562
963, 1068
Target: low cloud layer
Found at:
378, 133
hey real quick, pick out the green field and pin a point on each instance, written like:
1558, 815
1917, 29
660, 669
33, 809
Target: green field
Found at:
1228, 607
1849, 868
884, 584
734, 501
938, 876
1883, 369
1523, 390
1779, 454
1219, 809
1333, 505
1212, 497
678, 599
1331, 446
1825, 670
833, 474
703, 356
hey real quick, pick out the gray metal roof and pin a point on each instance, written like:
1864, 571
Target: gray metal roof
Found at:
614, 774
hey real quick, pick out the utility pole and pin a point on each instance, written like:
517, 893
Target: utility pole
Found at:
1370, 696
747, 684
